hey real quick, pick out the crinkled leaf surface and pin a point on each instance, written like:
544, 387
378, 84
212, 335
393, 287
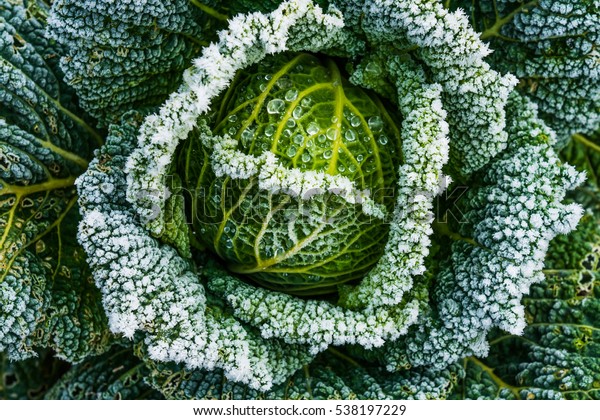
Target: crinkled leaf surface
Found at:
47, 295
29, 379
114, 375
551, 46
583, 151
120, 56
558, 355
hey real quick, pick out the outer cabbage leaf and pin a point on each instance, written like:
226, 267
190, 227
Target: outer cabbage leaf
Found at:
29, 379
332, 375
552, 47
47, 295
114, 375
148, 287
558, 355
126, 55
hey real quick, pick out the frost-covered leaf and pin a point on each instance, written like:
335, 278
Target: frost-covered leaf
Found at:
558, 355
333, 375
115, 375
552, 47
123, 55
47, 294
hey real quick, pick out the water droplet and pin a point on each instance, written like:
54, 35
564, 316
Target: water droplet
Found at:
268, 77
306, 102
312, 128
291, 151
375, 123
228, 244
350, 135
284, 83
232, 118
297, 112
341, 168
321, 138
334, 119
264, 146
286, 133
299, 67
306, 157
247, 135
262, 87
275, 106
383, 140
331, 133
352, 168
359, 158
291, 95
226, 229
291, 123
373, 69
298, 139
270, 130
232, 131
354, 121
327, 154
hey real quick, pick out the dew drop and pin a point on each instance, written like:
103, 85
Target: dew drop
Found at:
334, 119
359, 158
383, 140
341, 169
327, 154
228, 244
297, 112
312, 128
354, 121
262, 87
373, 69
350, 135
306, 102
321, 138
352, 168
247, 135
275, 106
375, 123
286, 133
298, 139
291, 123
232, 131
291, 95
331, 133
284, 83
270, 130
305, 157
291, 151
232, 118
268, 77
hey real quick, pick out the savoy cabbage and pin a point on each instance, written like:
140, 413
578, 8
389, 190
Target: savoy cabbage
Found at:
299, 199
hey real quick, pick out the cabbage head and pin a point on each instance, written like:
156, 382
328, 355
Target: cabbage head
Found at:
299, 111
